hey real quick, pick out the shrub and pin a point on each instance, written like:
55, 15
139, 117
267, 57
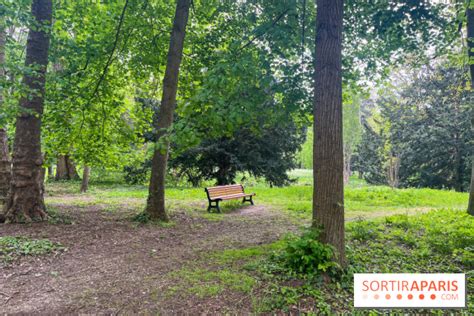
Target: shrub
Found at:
307, 255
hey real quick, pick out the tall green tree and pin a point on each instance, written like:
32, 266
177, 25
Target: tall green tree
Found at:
328, 161
5, 166
470, 40
155, 207
25, 201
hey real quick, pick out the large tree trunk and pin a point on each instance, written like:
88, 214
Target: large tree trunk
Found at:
328, 161
85, 179
5, 165
25, 199
156, 197
470, 35
66, 169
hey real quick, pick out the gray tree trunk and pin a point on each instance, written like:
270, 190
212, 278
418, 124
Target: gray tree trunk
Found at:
470, 36
85, 179
25, 200
155, 207
66, 169
328, 160
5, 164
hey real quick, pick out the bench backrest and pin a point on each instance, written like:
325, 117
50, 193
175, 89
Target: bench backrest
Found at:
224, 190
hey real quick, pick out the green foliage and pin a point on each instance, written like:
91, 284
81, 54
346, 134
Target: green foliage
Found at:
14, 247
436, 242
269, 155
430, 128
305, 254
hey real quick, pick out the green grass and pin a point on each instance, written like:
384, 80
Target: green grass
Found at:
14, 247
439, 241
361, 200
205, 283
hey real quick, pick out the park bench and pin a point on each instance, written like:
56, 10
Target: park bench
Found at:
226, 192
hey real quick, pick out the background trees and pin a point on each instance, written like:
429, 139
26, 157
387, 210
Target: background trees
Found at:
425, 123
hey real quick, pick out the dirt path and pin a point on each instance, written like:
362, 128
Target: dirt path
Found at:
115, 266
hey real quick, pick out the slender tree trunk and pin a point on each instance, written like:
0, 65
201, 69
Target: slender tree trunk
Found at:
50, 172
328, 159
470, 35
156, 196
25, 199
85, 179
347, 164
5, 164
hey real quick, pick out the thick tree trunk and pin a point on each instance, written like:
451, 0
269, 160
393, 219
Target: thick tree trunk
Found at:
25, 199
470, 35
85, 179
156, 197
66, 169
328, 160
5, 164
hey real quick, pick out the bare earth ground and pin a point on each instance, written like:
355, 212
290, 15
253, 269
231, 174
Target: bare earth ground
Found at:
114, 266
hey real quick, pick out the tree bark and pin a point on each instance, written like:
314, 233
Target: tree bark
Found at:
347, 164
85, 179
5, 164
156, 197
470, 36
66, 169
25, 200
328, 160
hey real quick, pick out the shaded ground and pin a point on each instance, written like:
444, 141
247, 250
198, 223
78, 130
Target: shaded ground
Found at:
113, 265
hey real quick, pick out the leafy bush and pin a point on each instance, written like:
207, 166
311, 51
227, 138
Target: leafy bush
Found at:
307, 255
11, 247
363, 230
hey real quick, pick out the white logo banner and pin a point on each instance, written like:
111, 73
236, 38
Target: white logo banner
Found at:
410, 290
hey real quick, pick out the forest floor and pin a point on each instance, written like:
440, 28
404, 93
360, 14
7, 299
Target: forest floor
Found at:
111, 264
95, 255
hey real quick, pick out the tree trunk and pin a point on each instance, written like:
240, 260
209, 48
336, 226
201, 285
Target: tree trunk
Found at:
155, 207
470, 36
5, 164
85, 179
347, 164
328, 160
50, 172
66, 169
393, 169
25, 200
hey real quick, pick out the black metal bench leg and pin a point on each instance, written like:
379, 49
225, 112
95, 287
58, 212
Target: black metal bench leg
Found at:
216, 206
249, 199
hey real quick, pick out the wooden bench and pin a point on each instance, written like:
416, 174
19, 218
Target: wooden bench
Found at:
226, 192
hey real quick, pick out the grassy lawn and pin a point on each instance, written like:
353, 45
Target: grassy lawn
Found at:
361, 199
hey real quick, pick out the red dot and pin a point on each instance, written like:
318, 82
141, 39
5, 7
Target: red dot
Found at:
376, 296
422, 296
433, 296
410, 296
399, 296
387, 296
